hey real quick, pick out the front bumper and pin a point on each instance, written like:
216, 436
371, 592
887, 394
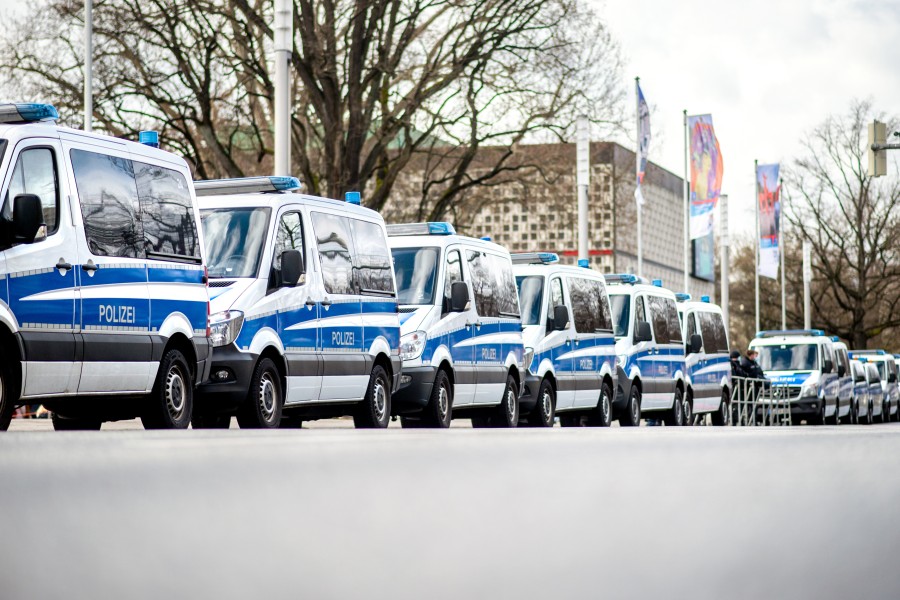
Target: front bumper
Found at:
414, 389
226, 395
623, 389
204, 361
529, 397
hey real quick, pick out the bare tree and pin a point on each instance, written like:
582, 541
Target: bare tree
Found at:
380, 86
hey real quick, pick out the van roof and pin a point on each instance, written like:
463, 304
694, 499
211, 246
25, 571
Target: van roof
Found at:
699, 307
556, 268
279, 199
632, 289
442, 241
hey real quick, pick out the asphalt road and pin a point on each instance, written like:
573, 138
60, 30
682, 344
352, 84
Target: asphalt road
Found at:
333, 513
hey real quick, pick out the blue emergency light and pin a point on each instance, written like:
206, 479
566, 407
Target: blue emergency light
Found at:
785, 332
584, 263
704, 299
353, 198
657, 282
433, 228
27, 113
534, 258
246, 185
682, 297
149, 138
486, 238
627, 278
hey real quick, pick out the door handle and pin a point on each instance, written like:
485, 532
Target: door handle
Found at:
63, 265
310, 301
327, 302
90, 267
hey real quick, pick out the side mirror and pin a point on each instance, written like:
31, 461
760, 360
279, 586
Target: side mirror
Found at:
841, 371
643, 332
28, 219
696, 344
560, 317
828, 367
459, 296
892, 378
292, 267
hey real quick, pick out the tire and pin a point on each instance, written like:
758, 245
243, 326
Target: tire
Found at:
885, 412
544, 412
601, 416
61, 423
374, 412
439, 411
869, 418
687, 411
632, 416
834, 420
722, 416
819, 417
263, 406
171, 402
854, 412
210, 421
7, 396
507, 412
675, 415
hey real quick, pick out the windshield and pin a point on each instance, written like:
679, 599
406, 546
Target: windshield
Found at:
789, 357
416, 271
621, 313
235, 239
882, 368
531, 297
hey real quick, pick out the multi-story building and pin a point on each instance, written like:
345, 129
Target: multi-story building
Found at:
537, 210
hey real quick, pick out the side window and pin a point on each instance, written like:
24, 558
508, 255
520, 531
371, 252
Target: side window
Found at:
333, 242
708, 331
372, 258
482, 288
35, 173
690, 326
659, 319
493, 284
288, 236
167, 213
640, 312
585, 313
605, 314
109, 203
721, 334
452, 272
556, 299
673, 323
505, 286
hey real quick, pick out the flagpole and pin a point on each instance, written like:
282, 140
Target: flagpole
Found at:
637, 174
756, 261
687, 206
782, 248
88, 65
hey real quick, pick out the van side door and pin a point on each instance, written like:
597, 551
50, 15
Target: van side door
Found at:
562, 345
40, 280
660, 387
695, 363
586, 305
458, 329
112, 273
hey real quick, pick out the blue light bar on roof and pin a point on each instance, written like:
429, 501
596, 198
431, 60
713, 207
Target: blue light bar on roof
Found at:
27, 113
353, 198
626, 278
784, 332
434, 228
657, 282
682, 297
704, 299
534, 258
584, 263
149, 138
246, 185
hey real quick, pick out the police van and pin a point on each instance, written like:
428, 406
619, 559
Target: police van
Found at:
875, 392
304, 320
103, 302
801, 360
707, 360
568, 334
462, 347
649, 351
845, 382
887, 375
861, 411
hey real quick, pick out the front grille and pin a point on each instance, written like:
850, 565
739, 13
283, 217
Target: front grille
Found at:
219, 283
408, 309
791, 392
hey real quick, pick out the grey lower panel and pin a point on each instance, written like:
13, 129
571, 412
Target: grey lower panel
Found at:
42, 346
488, 375
658, 386
566, 384
99, 347
304, 364
339, 364
465, 375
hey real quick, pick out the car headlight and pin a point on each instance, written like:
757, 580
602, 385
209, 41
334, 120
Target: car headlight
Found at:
224, 327
529, 356
809, 391
412, 345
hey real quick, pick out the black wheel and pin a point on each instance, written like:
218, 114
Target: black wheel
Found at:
885, 412
507, 412
819, 417
374, 412
7, 396
61, 423
210, 421
675, 415
869, 418
632, 416
171, 401
721, 416
854, 412
834, 419
544, 412
601, 416
687, 411
264, 403
439, 410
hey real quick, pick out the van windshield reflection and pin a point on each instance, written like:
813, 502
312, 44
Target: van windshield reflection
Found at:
235, 239
621, 313
789, 357
416, 271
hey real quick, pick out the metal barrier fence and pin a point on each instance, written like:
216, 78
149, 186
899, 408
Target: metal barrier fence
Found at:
757, 402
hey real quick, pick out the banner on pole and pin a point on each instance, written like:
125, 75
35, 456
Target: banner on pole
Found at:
643, 135
706, 174
768, 190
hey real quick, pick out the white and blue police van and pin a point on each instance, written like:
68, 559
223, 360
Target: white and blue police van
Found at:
801, 361
845, 382
462, 349
568, 335
650, 363
103, 300
875, 393
707, 359
860, 413
304, 321
887, 375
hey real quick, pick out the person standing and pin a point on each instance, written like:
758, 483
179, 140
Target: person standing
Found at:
750, 366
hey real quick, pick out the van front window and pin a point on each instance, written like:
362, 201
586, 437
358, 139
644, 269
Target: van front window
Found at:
789, 357
235, 240
416, 271
621, 313
531, 297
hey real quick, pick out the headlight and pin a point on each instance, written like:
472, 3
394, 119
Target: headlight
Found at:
412, 345
224, 327
809, 391
529, 356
